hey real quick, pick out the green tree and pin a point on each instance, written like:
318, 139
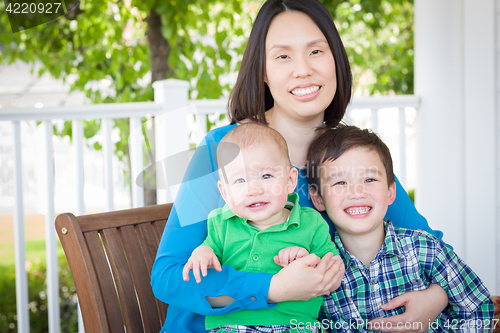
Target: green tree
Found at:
378, 36
107, 48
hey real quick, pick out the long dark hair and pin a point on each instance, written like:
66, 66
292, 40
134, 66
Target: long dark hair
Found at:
251, 97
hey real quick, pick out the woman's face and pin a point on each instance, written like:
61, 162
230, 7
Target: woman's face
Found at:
300, 69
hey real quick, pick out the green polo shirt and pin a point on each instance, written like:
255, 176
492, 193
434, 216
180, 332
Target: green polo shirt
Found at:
243, 246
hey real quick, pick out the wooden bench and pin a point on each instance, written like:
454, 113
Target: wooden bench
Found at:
111, 256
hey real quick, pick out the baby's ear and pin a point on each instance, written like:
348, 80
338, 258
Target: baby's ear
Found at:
316, 199
292, 180
222, 190
392, 193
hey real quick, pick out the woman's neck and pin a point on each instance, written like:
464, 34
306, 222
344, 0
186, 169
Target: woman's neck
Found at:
298, 134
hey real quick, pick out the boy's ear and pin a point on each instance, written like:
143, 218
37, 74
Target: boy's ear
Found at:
392, 193
316, 199
292, 180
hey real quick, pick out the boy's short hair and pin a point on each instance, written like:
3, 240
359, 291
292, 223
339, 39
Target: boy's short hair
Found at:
247, 135
331, 143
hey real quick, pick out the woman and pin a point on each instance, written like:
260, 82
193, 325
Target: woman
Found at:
294, 77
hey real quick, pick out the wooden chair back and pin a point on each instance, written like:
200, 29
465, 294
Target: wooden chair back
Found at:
111, 256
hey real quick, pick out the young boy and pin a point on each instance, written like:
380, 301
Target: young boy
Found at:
261, 216
351, 177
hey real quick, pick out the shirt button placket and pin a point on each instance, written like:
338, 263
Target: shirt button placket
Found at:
375, 290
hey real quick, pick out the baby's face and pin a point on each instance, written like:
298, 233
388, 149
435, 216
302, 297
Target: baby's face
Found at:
355, 192
259, 180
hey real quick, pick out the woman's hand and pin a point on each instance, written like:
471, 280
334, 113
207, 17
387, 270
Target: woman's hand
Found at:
422, 308
337, 283
305, 278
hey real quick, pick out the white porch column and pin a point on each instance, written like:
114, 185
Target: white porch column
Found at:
440, 133
480, 173
171, 130
454, 76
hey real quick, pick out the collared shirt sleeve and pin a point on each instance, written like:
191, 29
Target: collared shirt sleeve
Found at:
470, 304
185, 230
214, 227
322, 242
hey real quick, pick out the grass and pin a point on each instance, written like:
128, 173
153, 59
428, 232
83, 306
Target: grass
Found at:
35, 251
35, 239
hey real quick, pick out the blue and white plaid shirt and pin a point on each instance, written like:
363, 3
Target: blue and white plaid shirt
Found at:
408, 260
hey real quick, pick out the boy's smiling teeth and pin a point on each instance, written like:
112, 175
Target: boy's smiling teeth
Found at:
304, 91
358, 210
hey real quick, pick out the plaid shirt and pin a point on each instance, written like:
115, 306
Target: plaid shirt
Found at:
408, 260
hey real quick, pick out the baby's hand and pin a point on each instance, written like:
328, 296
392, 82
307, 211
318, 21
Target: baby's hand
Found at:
201, 258
289, 254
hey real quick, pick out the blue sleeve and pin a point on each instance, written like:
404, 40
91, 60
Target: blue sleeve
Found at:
186, 229
403, 213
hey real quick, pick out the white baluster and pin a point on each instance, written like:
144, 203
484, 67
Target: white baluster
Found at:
77, 126
202, 128
347, 117
107, 149
23, 325
50, 234
136, 140
374, 120
402, 146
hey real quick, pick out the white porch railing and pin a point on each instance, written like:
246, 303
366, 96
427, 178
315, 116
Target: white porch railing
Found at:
171, 108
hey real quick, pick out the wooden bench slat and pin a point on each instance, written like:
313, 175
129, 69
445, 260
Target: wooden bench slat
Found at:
142, 278
124, 217
107, 286
123, 277
160, 226
148, 242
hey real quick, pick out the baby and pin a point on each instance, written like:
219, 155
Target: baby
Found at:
261, 217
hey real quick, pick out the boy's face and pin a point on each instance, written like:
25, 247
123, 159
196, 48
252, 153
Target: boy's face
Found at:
259, 181
354, 191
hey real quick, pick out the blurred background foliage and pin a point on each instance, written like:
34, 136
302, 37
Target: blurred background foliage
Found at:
37, 297
113, 50
108, 49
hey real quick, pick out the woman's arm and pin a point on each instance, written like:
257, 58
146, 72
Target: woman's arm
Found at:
403, 213
421, 309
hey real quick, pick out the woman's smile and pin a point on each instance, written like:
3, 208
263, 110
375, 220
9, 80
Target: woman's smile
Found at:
306, 94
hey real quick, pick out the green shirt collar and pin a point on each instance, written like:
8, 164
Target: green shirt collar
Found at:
294, 218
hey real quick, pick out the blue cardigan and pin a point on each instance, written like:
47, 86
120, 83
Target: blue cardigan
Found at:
187, 228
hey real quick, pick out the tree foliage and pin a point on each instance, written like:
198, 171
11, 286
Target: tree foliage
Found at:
101, 46
378, 36
112, 49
